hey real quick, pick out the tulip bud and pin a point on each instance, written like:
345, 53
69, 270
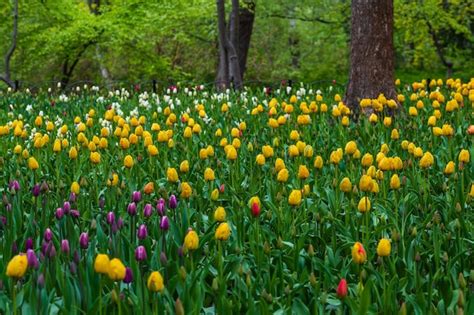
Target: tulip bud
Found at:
215, 284
173, 202
66, 206
32, 259
44, 187
73, 267
311, 250
101, 202
163, 259
29, 243
403, 309
222, 188
142, 232
110, 217
132, 208
312, 279
136, 196
75, 213
84, 240
341, 290
128, 275
164, 224
40, 280
462, 281
14, 186
178, 307
255, 209
65, 246
59, 213
160, 207
140, 253
72, 197
48, 235
36, 190
267, 248
147, 210
182, 273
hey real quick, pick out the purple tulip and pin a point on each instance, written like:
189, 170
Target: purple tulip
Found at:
65, 246
84, 240
136, 196
110, 218
36, 190
48, 249
14, 248
76, 257
75, 213
147, 210
72, 197
140, 253
32, 259
29, 243
73, 267
44, 187
173, 202
128, 275
119, 223
142, 232
66, 206
180, 251
59, 213
165, 223
132, 209
163, 258
40, 280
48, 235
3, 220
114, 227
101, 202
8, 207
160, 207
14, 186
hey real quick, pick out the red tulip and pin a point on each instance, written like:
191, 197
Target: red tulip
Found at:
255, 209
341, 290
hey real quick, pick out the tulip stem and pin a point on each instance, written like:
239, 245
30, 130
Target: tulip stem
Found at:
100, 294
14, 298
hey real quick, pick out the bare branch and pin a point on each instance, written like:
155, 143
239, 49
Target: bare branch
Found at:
299, 18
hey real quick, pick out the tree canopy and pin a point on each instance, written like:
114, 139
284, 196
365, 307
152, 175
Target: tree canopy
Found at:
166, 40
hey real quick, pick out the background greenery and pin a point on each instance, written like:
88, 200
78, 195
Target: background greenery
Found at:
170, 40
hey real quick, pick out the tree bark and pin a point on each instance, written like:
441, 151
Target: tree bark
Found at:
246, 19
372, 54
232, 41
222, 79
6, 77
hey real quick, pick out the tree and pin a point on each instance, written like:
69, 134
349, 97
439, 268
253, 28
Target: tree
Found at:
234, 42
6, 77
371, 55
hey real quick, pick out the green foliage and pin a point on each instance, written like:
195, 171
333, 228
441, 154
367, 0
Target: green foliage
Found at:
137, 41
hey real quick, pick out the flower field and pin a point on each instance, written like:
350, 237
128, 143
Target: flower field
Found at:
263, 201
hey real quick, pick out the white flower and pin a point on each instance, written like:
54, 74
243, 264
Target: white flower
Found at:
288, 89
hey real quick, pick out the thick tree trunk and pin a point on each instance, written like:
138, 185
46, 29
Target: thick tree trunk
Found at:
222, 79
6, 77
372, 55
246, 19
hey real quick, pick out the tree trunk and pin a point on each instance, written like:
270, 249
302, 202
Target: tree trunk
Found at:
372, 55
222, 79
232, 41
8, 56
246, 18
94, 7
